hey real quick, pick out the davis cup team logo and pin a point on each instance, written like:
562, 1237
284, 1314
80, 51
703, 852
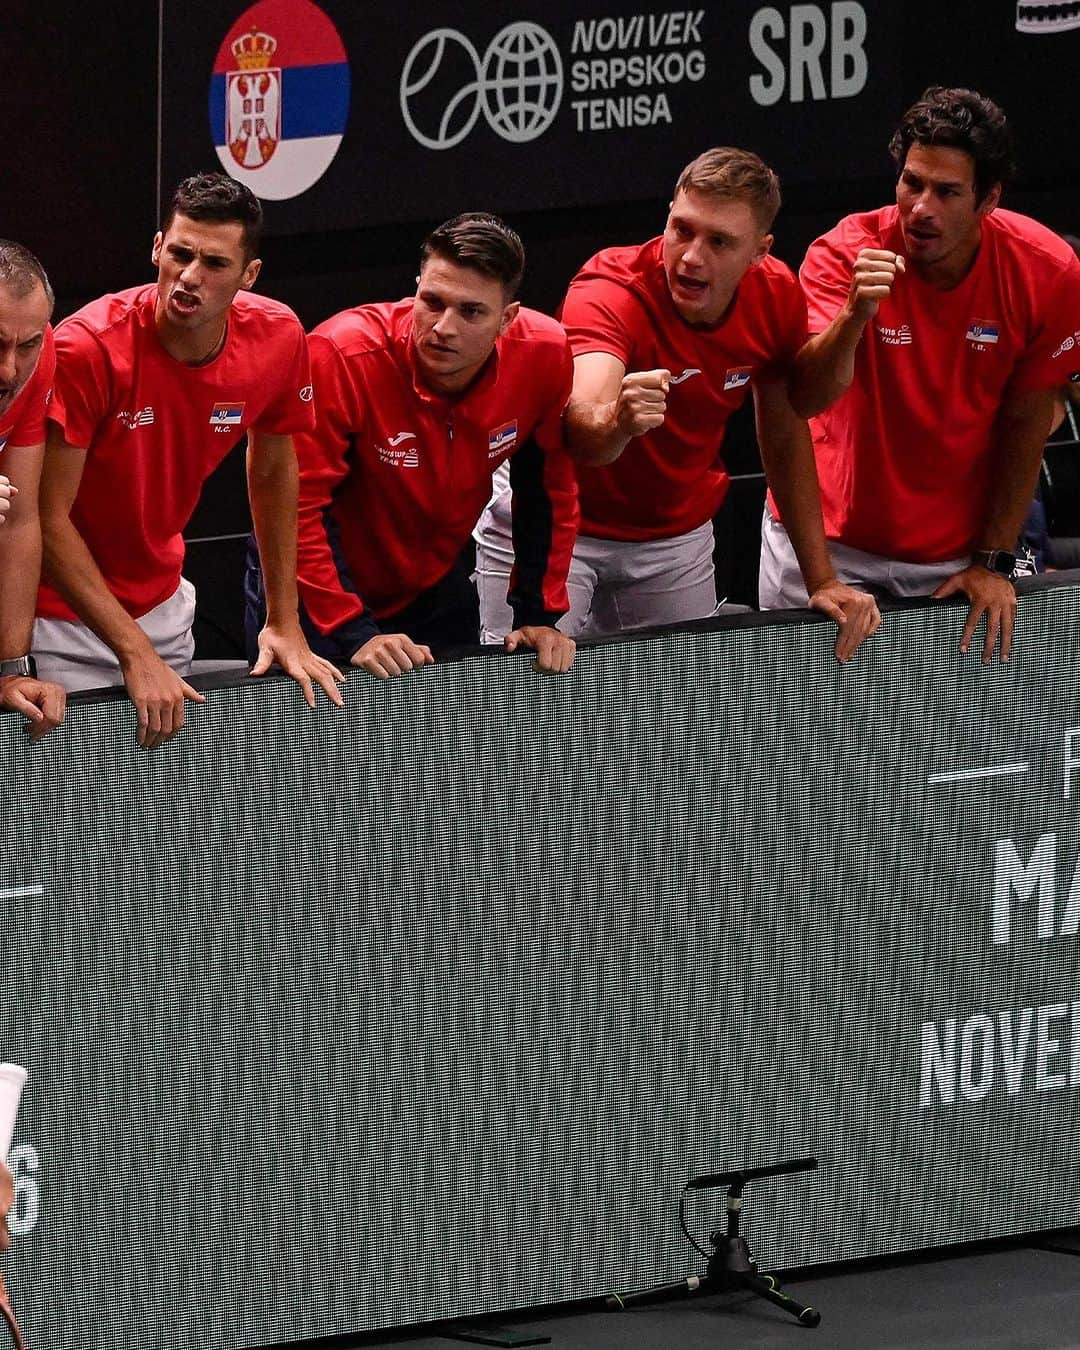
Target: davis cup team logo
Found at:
279, 97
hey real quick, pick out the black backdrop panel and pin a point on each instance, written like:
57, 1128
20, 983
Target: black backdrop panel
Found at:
1028, 64
78, 107
345, 1020
521, 107
79, 101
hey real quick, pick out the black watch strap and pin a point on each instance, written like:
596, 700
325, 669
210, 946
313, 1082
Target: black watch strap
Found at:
997, 560
18, 665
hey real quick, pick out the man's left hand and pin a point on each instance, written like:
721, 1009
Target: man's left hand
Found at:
854, 612
554, 650
40, 702
288, 647
989, 594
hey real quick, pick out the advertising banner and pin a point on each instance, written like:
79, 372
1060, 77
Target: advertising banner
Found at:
352, 1019
346, 115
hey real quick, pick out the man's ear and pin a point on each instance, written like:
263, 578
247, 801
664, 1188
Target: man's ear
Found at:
251, 272
155, 252
510, 313
991, 200
765, 243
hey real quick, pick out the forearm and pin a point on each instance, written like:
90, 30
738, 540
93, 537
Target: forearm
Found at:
592, 432
272, 491
20, 566
1014, 473
69, 566
825, 367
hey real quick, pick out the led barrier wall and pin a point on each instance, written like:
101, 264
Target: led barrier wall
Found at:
339, 1021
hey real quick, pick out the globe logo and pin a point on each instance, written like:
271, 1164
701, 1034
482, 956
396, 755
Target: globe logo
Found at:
445, 85
522, 82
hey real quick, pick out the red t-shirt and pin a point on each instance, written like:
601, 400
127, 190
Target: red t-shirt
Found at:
904, 455
673, 479
155, 429
24, 421
395, 476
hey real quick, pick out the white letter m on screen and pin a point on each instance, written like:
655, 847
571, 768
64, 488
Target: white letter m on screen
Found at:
1011, 875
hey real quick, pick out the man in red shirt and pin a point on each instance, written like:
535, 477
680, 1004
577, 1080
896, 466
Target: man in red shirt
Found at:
27, 364
943, 328
668, 339
154, 387
418, 403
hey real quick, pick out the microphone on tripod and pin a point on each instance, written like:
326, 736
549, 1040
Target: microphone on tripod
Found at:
731, 1264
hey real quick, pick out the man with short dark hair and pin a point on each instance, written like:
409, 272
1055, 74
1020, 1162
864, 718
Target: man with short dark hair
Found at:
668, 339
418, 403
943, 328
154, 387
27, 364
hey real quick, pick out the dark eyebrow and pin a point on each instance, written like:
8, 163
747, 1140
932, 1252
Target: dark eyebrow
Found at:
219, 258
935, 182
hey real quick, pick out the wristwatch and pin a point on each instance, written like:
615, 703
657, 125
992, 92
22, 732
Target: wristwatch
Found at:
997, 560
18, 665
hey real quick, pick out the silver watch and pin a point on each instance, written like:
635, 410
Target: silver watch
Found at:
18, 665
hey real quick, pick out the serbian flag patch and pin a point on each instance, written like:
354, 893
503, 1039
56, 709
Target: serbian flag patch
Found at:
982, 330
227, 415
501, 439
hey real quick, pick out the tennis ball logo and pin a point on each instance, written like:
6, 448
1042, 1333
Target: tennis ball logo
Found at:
517, 84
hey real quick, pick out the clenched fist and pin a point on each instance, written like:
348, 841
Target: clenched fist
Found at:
642, 401
872, 276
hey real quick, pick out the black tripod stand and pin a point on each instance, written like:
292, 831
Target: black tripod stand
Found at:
731, 1264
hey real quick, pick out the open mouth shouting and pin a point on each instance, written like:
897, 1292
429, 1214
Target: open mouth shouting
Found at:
183, 303
689, 287
919, 236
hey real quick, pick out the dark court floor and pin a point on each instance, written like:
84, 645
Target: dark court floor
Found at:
1014, 1297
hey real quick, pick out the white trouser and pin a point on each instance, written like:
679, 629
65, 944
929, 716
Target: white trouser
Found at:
68, 653
614, 585
780, 583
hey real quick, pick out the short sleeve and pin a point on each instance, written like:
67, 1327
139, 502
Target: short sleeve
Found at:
291, 409
1052, 359
790, 329
600, 316
82, 384
825, 277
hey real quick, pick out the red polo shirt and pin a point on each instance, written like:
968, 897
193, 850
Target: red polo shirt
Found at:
673, 479
155, 429
905, 455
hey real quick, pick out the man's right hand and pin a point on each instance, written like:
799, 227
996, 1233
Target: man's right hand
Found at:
7, 1199
158, 693
389, 654
642, 401
7, 491
40, 702
872, 276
